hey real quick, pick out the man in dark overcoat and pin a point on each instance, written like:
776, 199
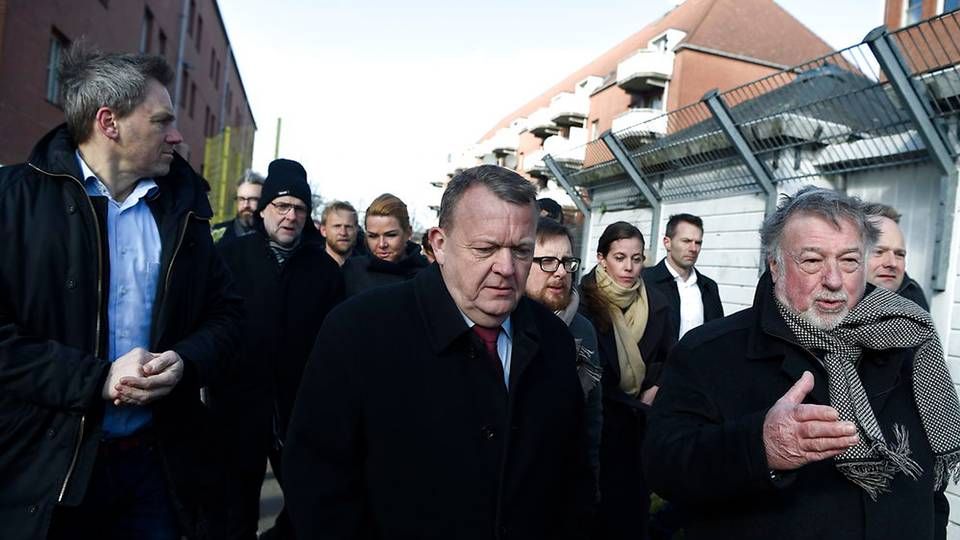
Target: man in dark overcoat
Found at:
115, 310
825, 410
289, 284
447, 406
692, 296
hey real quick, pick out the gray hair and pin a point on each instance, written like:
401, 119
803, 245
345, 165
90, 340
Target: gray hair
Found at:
825, 203
250, 177
507, 185
90, 79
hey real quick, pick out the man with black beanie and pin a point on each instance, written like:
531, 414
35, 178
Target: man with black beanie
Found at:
289, 284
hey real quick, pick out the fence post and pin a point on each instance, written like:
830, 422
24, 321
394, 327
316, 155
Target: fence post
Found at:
582, 205
757, 169
649, 192
917, 107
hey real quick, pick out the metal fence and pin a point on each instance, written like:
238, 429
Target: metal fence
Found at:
888, 101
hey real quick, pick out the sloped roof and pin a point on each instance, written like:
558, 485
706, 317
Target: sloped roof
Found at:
752, 29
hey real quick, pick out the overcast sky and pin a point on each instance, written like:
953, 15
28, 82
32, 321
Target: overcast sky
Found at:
374, 94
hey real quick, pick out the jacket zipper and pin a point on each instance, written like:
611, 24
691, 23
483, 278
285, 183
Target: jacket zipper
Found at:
176, 250
96, 345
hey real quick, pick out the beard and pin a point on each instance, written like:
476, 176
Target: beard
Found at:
341, 248
823, 321
245, 217
553, 302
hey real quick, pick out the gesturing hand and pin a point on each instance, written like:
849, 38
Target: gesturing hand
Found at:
795, 433
159, 375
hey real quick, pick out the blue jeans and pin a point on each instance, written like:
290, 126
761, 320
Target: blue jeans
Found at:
127, 497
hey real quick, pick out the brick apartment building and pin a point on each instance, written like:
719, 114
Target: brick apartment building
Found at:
697, 46
900, 13
208, 93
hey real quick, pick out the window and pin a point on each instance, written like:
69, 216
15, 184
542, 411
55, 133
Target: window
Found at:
193, 97
594, 129
183, 89
199, 31
214, 128
58, 43
191, 16
950, 5
146, 31
914, 12
216, 76
161, 43
105, 4
229, 100
213, 60
206, 121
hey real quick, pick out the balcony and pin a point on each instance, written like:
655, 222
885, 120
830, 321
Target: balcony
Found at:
640, 120
504, 141
541, 123
533, 163
568, 151
644, 70
569, 109
457, 161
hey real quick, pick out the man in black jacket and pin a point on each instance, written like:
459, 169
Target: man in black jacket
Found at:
887, 264
114, 311
823, 411
289, 284
248, 202
448, 405
694, 298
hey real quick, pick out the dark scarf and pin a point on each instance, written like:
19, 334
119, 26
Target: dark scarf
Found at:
885, 320
282, 252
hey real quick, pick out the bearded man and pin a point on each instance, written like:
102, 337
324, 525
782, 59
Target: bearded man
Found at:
827, 397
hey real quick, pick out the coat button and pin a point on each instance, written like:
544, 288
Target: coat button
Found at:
51, 433
71, 208
487, 433
504, 531
71, 284
32, 509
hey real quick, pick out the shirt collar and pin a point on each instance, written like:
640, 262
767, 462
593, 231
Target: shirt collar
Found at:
676, 275
506, 325
146, 187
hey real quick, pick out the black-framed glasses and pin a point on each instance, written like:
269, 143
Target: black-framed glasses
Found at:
551, 264
285, 208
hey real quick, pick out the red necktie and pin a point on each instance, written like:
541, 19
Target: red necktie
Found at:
489, 338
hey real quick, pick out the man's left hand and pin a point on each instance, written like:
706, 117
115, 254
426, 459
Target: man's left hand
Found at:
161, 374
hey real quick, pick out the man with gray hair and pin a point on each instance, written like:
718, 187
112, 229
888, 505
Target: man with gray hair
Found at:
827, 397
464, 417
248, 202
114, 311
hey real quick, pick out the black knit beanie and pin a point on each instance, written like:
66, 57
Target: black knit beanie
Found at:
286, 177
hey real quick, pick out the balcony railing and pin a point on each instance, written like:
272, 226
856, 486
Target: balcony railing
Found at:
652, 120
541, 123
569, 109
644, 70
533, 162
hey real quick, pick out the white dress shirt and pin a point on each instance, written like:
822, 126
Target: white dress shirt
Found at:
691, 301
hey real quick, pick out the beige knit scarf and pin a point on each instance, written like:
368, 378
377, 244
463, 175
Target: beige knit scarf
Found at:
628, 313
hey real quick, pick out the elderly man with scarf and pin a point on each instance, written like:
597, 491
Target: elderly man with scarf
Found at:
825, 410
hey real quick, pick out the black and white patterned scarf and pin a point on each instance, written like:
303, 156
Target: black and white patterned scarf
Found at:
885, 320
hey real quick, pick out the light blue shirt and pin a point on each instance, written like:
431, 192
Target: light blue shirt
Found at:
504, 345
134, 246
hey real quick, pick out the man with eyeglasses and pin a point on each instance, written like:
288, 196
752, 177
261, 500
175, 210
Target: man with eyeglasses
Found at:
289, 284
551, 283
248, 201
825, 410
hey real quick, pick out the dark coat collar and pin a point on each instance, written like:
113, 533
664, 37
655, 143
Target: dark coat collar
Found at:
444, 321
181, 189
659, 273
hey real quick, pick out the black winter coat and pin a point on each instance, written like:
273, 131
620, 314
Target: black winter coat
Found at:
624, 497
704, 445
285, 308
408, 431
912, 291
660, 278
366, 271
54, 268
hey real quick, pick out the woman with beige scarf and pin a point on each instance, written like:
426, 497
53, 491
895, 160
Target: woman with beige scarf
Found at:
634, 336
